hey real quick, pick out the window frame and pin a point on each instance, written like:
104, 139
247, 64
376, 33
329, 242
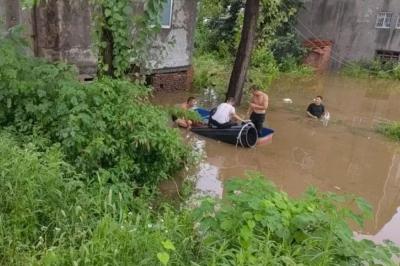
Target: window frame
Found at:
169, 26
384, 15
397, 26
387, 55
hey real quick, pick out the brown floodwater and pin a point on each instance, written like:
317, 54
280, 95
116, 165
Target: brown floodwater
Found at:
346, 156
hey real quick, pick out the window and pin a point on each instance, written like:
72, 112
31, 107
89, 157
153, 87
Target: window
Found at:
166, 15
387, 56
384, 20
398, 22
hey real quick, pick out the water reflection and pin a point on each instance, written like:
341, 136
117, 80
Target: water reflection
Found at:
207, 182
347, 156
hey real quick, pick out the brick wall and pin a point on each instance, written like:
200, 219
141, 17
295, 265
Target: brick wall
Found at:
319, 54
172, 81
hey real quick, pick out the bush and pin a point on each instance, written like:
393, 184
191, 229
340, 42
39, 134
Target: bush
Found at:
390, 129
256, 224
374, 68
210, 71
263, 69
50, 215
107, 124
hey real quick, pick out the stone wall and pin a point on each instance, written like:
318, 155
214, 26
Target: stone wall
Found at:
350, 24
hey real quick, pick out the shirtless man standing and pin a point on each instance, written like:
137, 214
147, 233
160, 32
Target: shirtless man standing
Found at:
258, 108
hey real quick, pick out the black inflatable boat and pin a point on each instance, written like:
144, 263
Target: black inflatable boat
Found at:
244, 135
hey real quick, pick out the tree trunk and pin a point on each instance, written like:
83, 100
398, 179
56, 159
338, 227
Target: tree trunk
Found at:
242, 61
107, 52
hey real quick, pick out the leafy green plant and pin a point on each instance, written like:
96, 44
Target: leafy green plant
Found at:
390, 129
105, 124
374, 69
52, 215
256, 223
264, 68
185, 114
210, 71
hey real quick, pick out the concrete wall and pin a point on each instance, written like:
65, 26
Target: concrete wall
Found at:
350, 24
174, 47
63, 33
2, 16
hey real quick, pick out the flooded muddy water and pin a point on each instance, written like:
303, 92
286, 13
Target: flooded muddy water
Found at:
347, 156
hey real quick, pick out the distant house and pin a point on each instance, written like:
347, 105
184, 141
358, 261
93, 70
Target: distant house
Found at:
61, 30
357, 29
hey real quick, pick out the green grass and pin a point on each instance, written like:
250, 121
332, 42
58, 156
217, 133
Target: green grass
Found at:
373, 69
52, 215
213, 71
390, 129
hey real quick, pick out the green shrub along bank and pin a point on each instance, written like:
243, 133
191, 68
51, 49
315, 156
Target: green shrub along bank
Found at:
375, 68
51, 215
108, 124
390, 129
277, 49
212, 71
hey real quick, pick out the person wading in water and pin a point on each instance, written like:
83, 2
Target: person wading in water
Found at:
258, 108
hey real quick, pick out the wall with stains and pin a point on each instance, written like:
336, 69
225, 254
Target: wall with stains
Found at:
173, 47
350, 24
63, 33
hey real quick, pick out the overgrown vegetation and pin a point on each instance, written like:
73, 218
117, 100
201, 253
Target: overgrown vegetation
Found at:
52, 215
79, 163
375, 68
185, 114
277, 50
390, 129
108, 124
123, 35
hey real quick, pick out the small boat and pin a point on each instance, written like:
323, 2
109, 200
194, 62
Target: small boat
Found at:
244, 135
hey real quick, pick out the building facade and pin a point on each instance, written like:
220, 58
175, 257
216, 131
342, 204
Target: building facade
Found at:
60, 30
360, 30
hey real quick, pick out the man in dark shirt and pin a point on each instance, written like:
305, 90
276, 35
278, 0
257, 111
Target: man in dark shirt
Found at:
316, 109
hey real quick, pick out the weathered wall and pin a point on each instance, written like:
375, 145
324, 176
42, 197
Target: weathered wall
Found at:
63, 33
2, 16
350, 24
173, 47
61, 30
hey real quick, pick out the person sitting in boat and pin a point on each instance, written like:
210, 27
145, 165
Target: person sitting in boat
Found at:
190, 104
224, 115
258, 108
316, 109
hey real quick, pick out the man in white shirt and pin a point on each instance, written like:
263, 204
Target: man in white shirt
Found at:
225, 113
